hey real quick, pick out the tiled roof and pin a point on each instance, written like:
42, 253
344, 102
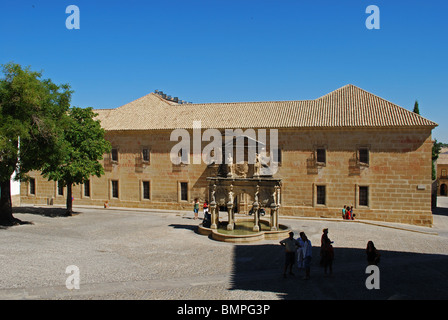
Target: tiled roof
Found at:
348, 106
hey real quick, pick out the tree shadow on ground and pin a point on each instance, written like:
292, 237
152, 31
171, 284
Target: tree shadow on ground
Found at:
185, 226
403, 275
51, 212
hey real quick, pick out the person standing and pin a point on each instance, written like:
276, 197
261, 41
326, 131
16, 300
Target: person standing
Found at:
343, 212
207, 218
347, 213
373, 255
306, 254
291, 246
196, 208
326, 252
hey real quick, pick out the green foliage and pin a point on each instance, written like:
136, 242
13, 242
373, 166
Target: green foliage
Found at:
416, 109
30, 111
83, 144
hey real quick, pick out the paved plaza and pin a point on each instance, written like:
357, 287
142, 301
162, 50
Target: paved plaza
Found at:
148, 254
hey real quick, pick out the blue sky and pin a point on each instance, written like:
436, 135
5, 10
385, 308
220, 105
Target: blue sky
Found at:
247, 50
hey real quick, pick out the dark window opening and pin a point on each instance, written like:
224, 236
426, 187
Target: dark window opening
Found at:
146, 190
114, 153
114, 189
32, 186
321, 156
184, 191
145, 154
321, 194
60, 188
364, 155
363, 196
87, 188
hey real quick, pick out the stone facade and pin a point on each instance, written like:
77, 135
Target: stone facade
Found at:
442, 173
389, 181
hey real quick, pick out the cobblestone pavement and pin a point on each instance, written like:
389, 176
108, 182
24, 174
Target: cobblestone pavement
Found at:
142, 254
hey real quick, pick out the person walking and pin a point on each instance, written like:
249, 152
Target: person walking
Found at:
305, 254
344, 212
291, 246
326, 252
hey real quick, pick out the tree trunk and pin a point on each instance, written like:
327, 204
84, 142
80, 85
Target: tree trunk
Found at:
6, 218
69, 211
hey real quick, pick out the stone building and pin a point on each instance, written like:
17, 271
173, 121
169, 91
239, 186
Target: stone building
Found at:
349, 147
442, 173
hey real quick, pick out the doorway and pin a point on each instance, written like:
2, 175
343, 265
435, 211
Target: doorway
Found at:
443, 189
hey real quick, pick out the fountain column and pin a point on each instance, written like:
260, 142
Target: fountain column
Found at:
231, 224
214, 215
274, 217
214, 212
256, 227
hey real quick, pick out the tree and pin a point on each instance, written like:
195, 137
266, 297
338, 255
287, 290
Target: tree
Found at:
416, 110
83, 145
30, 112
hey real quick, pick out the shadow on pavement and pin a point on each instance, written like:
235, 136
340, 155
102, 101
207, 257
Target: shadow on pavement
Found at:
51, 212
441, 211
403, 275
184, 226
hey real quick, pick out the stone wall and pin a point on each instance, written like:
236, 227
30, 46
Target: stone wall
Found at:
398, 175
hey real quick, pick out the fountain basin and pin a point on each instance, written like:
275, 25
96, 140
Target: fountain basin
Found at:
243, 232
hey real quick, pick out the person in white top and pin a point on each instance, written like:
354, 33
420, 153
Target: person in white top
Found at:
304, 254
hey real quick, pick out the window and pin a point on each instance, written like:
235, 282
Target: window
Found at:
321, 156
364, 196
32, 185
146, 190
145, 154
363, 156
114, 189
184, 191
114, 154
87, 188
60, 188
443, 174
320, 190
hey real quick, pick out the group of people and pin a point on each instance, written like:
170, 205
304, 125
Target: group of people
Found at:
347, 213
207, 216
300, 246
300, 250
